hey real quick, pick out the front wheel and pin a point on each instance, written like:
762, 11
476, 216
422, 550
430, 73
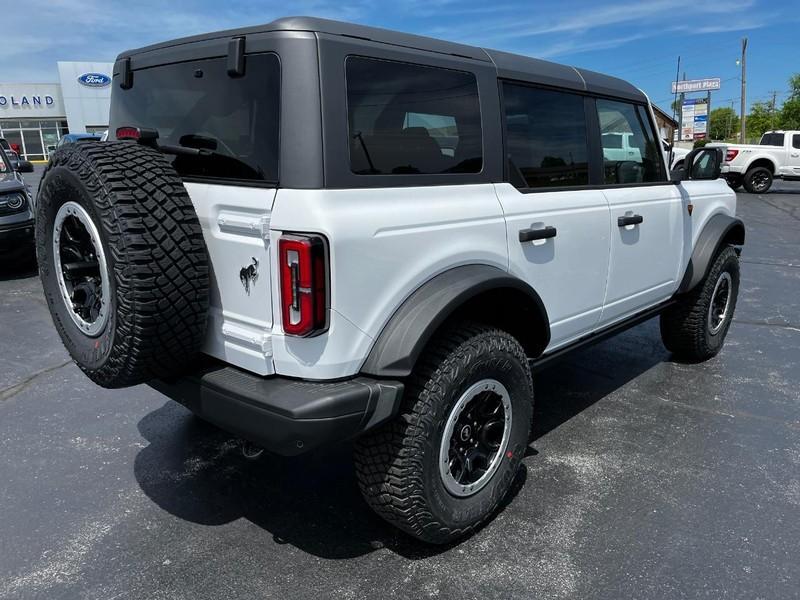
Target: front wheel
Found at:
694, 329
444, 465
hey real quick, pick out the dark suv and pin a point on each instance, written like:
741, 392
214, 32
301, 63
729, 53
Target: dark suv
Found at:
16, 210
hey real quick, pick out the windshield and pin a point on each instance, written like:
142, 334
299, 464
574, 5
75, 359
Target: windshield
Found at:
196, 104
772, 139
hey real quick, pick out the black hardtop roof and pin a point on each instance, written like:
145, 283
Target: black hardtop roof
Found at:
512, 66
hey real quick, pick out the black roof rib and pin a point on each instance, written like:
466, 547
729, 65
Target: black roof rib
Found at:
511, 66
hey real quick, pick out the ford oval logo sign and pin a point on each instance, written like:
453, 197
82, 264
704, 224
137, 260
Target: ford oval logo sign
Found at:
94, 80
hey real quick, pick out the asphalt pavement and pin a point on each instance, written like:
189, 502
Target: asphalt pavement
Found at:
647, 478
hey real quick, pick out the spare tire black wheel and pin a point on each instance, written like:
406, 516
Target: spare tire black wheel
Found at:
122, 261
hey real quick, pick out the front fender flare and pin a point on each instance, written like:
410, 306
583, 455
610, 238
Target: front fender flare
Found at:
409, 330
720, 229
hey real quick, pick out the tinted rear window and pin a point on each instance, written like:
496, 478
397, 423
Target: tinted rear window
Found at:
547, 137
198, 105
412, 119
772, 139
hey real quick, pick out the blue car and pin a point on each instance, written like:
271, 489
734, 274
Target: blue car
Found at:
73, 138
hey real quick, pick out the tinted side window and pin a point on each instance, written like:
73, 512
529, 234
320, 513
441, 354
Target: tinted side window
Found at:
546, 137
772, 139
640, 160
796, 140
411, 119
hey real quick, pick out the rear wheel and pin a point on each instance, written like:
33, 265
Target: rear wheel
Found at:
447, 461
758, 180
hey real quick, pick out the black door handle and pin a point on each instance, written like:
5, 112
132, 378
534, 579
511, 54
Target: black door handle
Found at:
528, 235
629, 220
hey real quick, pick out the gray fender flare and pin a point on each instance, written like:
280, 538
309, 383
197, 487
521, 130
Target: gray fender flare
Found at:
411, 327
720, 229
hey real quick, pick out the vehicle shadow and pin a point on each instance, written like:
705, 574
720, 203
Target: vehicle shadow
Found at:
198, 473
14, 268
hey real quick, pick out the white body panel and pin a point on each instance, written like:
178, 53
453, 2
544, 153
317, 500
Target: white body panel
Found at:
235, 222
384, 244
645, 259
568, 271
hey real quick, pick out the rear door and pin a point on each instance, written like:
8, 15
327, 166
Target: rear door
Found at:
558, 229
793, 164
646, 214
228, 159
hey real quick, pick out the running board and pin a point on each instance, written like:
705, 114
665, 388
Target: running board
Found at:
544, 361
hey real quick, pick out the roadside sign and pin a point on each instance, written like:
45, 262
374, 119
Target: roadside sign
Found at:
694, 120
696, 85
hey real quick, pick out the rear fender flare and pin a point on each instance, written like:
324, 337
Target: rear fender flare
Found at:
411, 327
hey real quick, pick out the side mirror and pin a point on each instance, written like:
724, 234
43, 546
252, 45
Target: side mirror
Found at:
24, 166
700, 164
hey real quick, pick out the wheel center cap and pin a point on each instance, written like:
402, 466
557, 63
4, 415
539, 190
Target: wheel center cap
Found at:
466, 433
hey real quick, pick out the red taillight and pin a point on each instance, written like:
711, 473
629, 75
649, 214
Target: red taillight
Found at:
304, 284
731, 154
128, 133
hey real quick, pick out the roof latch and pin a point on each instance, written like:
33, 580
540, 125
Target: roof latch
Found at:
236, 57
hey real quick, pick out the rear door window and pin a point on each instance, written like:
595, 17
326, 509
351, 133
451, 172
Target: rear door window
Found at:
233, 121
546, 137
796, 140
772, 139
640, 160
412, 119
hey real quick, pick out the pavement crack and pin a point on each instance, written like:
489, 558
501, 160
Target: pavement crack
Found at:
18, 387
789, 326
770, 263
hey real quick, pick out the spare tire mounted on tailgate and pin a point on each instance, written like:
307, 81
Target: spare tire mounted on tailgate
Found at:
122, 261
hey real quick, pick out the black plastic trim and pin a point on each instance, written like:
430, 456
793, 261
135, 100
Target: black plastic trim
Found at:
546, 360
285, 416
404, 337
711, 238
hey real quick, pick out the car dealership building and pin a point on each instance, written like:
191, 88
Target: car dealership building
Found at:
33, 116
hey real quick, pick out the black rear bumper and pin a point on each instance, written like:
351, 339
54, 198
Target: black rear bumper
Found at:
284, 416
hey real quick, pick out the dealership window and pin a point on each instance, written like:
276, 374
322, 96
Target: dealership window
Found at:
33, 139
409, 119
546, 137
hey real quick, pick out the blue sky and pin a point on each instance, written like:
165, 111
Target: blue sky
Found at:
636, 40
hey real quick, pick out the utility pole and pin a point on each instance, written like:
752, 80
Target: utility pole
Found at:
772, 110
742, 134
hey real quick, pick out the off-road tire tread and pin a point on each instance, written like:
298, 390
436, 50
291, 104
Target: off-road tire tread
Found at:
683, 325
746, 180
389, 461
158, 257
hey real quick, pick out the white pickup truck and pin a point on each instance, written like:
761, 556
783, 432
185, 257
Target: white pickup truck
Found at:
756, 166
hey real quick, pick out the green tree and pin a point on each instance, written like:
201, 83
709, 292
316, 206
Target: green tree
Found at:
722, 123
760, 119
789, 117
794, 87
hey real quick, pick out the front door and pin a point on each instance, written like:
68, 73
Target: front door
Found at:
646, 215
557, 228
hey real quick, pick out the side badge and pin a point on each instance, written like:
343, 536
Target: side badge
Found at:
249, 275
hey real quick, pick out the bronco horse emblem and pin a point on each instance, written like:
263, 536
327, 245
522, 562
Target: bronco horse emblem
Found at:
249, 275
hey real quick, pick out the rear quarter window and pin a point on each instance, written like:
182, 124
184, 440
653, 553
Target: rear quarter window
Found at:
406, 119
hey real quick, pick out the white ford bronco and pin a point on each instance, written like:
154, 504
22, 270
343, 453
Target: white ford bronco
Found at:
310, 231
